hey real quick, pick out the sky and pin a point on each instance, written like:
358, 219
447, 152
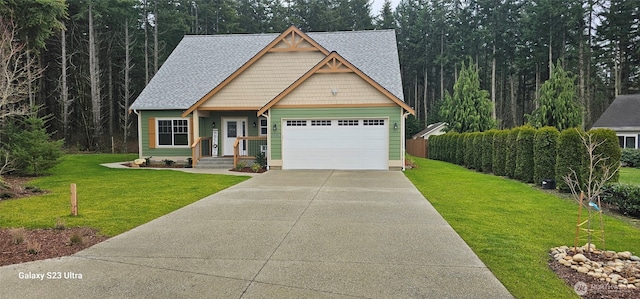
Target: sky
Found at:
376, 6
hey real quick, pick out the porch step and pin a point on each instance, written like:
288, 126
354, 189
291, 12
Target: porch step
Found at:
215, 162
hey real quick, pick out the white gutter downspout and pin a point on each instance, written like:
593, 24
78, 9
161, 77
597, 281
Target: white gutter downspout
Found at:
139, 132
403, 141
268, 157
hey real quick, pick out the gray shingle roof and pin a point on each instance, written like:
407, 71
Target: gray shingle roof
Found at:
624, 112
201, 62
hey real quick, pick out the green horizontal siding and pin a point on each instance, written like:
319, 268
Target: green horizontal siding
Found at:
144, 136
392, 113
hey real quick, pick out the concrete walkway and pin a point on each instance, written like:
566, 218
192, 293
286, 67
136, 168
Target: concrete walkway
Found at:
283, 234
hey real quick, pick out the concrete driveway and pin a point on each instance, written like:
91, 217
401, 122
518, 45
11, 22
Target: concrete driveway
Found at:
283, 234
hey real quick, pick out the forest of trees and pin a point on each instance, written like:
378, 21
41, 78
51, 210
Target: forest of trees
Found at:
91, 58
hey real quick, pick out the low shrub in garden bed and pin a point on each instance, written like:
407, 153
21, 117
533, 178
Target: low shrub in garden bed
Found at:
625, 196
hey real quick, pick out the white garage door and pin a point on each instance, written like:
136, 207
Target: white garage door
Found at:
335, 144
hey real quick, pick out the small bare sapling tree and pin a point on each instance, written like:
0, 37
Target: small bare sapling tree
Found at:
597, 172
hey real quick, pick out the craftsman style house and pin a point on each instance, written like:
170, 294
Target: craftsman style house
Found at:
323, 100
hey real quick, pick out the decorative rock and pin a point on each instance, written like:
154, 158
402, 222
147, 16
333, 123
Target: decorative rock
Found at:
631, 286
635, 258
579, 258
624, 255
589, 247
567, 257
583, 270
610, 254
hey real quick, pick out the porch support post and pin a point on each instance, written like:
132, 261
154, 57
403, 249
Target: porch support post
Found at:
195, 133
268, 154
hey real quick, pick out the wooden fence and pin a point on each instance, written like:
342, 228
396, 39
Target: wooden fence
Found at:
418, 147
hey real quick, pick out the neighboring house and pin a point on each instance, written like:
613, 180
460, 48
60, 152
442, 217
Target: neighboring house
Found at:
623, 116
322, 100
431, 130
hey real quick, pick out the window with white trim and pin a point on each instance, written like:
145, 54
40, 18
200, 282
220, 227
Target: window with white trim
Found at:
628, 141
296, 123
373, 122
173, 132
320, 123
348, 122
263, 126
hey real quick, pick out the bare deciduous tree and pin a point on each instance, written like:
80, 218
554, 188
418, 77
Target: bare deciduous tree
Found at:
17, 73
588, 191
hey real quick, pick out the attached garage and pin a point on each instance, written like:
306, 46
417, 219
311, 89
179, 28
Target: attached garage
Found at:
348, 143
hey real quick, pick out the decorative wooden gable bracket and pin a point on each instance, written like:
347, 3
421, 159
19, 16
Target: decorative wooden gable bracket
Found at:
334, 65
294, 41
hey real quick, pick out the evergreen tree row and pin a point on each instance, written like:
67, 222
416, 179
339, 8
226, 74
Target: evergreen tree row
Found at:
527, 154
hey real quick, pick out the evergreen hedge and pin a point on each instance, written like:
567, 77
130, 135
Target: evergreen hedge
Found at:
609, 149
512, 151
468, 150
571, 156
499, 152
477, 151
487, 150
460, 149
544, 154
524, 156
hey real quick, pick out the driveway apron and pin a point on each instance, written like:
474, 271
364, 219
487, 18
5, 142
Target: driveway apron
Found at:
283, 234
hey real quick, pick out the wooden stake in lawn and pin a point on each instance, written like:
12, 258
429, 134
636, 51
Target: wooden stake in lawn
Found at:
74, 200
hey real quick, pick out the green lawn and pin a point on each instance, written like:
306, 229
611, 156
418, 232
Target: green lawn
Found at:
110, 200
630, 175
510, 225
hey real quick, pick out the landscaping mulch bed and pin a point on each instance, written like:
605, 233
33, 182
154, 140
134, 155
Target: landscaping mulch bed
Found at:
595, 288
22, 245
248, 169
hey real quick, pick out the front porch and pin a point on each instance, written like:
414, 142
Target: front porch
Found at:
239, 135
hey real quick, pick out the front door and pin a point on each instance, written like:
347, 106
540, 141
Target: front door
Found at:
233, 128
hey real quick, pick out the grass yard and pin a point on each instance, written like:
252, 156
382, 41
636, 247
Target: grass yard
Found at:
630, 175
110, 200
510, 225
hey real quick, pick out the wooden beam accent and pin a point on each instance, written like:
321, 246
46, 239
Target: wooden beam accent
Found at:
338, 105
330, 71
227, 108
283, 50
329, 65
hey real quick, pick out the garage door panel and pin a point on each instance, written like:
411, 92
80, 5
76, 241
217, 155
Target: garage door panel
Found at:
335, 147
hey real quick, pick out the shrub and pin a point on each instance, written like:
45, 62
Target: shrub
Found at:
609, 149
571, 156
460, 149
30, 146
626, 197
261, 159
630, 157
468, 150
432, 152
487, 150
512, 151
499, 152
17, 236
168, 162
76, 239
255, 167
60, 225
477, 151
33, 247
524, 156
545, 153
241, 165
